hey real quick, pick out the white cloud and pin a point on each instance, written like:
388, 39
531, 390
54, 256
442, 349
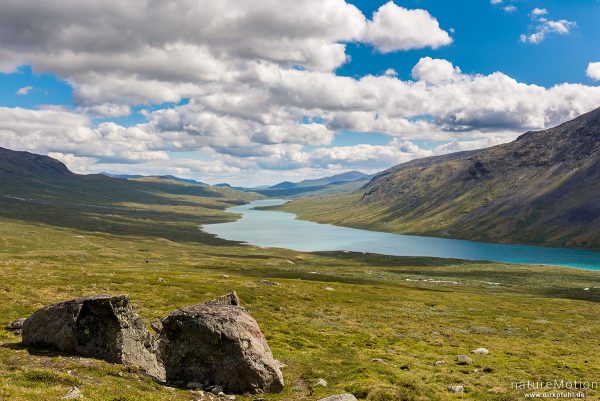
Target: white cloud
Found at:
397, 28
496, 2
434, 70
593, 71
264, 100
539, 11
510, 9
24, 90
124, 51
544, 26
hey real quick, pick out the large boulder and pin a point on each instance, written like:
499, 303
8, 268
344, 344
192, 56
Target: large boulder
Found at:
104, 327
218, 343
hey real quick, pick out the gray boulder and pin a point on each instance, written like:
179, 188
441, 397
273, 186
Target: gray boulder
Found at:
340, 397
464, 360
102, 327
218, 343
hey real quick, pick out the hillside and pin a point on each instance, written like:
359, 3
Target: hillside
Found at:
544, 187
40, 189
64, 236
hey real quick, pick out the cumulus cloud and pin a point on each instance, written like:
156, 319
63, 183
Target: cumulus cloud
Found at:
434, 70
397, 28
544, 26
264, 100
593, 71
155, 51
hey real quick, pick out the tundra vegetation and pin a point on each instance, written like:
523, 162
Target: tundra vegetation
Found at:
374, 326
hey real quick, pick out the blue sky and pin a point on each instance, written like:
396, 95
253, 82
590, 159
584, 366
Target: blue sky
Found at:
225, 105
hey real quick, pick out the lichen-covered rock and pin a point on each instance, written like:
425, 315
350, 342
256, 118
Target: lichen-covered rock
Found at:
218, 343
464, 360
101, 327
340, 397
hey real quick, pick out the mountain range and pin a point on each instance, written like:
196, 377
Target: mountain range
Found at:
544, 187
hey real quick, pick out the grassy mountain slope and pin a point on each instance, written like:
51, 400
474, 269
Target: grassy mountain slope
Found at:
543, 187
361, 322
42, 190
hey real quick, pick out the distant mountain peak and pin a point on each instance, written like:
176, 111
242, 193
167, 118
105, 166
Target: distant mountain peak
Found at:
338, 178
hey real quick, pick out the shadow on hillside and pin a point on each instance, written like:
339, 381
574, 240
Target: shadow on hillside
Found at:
120, 221
37, 350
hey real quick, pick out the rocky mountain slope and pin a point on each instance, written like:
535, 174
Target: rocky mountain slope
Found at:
544, 187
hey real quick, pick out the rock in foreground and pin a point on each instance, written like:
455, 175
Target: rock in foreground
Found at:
218, 343
101, 327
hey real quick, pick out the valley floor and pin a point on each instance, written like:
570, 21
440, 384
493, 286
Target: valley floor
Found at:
370, 325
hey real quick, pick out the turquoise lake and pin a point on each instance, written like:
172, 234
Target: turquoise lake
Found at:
283, 230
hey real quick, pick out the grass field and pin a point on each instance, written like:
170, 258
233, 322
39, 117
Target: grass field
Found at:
377, 334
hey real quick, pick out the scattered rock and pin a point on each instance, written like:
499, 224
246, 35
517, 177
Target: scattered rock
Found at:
456, 389
481, 351
329, 289
101, 327
73, 394
321, 383
267, 282
16, 326
216, 390
439, 363
161, 280
464, 360
194, 386
487, 369
218, 343
340, 397
225, 276
377, 360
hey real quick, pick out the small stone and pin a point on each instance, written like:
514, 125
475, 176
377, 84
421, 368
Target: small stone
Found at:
456, 389
321, 383
481, 351
16, 325
231, 397
161, 280
487, 369
377, 360
73, 394
267, 282
340, 397
439, 363
464, 360
225, 276
216, 390
329, 289
194, 386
